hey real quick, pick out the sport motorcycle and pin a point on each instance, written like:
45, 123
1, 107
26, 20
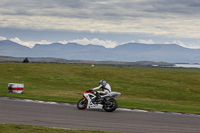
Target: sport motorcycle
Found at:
106, 102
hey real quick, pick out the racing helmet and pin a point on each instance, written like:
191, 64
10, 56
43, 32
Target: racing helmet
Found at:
102, 82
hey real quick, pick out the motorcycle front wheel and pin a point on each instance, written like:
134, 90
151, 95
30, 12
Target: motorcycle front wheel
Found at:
82, 104
110, 105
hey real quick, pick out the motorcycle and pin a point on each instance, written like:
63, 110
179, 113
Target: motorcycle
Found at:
106, 102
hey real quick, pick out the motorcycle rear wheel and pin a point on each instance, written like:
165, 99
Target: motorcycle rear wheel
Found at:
82, 104
111, 105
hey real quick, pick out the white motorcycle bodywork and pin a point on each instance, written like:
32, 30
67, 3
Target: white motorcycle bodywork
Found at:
91, 96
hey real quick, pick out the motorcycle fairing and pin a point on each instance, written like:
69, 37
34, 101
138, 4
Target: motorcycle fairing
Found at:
112, 94
90, 97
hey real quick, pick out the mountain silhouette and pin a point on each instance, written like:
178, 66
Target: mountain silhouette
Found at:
126, 52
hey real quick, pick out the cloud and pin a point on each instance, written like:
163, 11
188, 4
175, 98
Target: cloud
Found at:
25, 43
179, 43
2, 38
190, 45
96, 41
167, 43
173, 18
29, 43
150, 41
84, 41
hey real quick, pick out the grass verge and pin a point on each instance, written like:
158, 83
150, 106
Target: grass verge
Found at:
11, 128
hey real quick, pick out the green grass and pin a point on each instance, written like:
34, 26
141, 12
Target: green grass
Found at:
10, 128
149, 88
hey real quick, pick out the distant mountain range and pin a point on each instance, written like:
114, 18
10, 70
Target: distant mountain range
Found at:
127, 52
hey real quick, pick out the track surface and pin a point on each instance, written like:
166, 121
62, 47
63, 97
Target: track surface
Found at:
62, 116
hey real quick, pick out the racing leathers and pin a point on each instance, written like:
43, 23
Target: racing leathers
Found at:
105, 90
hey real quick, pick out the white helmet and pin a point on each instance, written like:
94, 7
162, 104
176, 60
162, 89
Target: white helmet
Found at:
102, 82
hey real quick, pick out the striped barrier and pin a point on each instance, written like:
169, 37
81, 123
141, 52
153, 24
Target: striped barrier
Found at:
15, 88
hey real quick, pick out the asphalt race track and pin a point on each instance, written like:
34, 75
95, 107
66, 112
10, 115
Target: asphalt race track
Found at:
68, 116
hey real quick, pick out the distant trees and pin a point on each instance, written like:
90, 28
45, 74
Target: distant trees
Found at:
26, 60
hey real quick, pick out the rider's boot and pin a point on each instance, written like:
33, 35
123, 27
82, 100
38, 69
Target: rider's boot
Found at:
98, 98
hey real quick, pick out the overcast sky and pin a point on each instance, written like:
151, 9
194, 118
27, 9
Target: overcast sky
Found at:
101, 22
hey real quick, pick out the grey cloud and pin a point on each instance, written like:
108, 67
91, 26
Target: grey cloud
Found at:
77, 4
60, 8
100, 10
142, 16
195, 4
179, 7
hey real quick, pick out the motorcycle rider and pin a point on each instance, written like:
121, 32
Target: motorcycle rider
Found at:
106, 88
